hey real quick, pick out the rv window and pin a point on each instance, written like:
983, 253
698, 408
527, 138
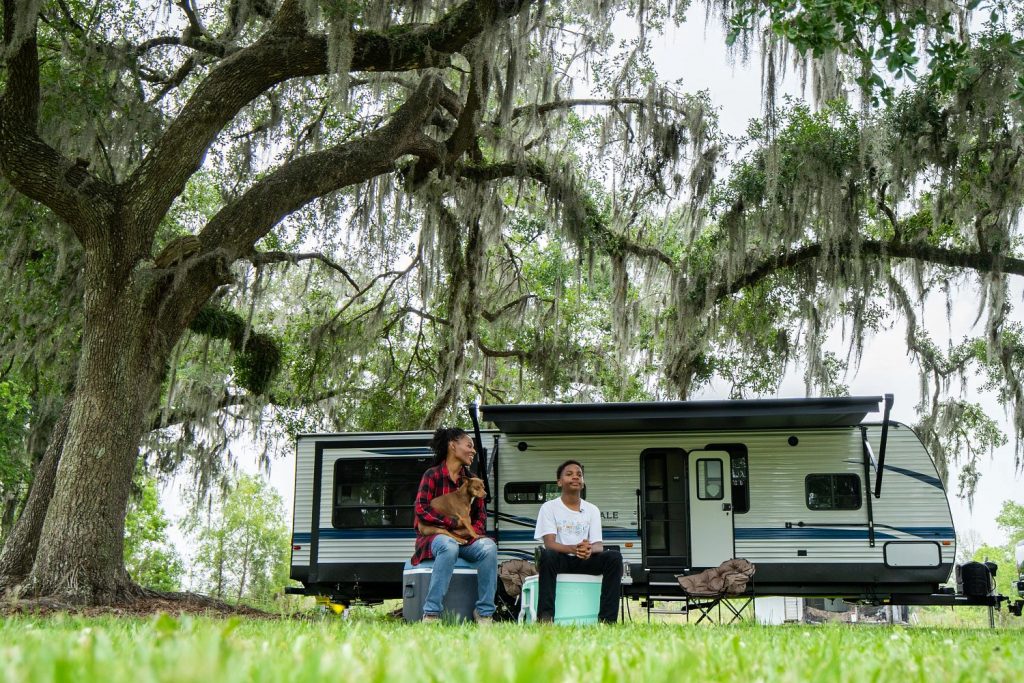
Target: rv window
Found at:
532, 491
740, 489
376, 492
740, 476
832, 491
710, 479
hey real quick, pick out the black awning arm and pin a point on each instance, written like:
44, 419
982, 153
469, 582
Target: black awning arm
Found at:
481, 452
866, 452
881, 446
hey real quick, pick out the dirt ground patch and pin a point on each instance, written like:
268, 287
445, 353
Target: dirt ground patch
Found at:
154, 603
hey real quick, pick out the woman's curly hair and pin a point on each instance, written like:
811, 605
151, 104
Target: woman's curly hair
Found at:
439, 442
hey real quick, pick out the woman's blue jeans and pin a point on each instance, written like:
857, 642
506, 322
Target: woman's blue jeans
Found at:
483, 555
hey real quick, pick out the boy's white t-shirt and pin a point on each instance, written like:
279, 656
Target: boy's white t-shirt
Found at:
568, 526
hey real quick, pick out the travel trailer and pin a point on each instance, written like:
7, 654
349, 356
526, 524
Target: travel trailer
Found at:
823, 502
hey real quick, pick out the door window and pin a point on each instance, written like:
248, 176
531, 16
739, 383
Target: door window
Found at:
710, 479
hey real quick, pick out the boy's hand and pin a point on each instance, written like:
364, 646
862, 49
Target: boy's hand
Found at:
583, 549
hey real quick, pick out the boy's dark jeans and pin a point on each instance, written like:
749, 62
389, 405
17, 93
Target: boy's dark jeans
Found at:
607, 564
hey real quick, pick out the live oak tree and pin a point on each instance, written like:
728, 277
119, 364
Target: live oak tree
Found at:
137, 302
192, 155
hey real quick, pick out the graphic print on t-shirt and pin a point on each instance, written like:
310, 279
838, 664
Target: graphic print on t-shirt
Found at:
572, 528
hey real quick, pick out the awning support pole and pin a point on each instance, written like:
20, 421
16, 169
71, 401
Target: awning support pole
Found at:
481, 452
867, 479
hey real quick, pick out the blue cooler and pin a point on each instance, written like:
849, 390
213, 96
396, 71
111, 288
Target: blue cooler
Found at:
459, 601
577, 599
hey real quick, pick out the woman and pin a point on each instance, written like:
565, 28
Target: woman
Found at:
453, 454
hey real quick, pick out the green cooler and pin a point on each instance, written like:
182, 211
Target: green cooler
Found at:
577, 599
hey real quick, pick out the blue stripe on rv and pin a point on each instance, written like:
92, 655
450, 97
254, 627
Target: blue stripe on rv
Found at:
741, 534
607, 534
927, 479
821, 534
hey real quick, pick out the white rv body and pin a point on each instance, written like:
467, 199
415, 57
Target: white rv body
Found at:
899, 543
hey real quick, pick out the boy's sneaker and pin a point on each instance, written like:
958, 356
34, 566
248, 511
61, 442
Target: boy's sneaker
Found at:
481, 620
431, 618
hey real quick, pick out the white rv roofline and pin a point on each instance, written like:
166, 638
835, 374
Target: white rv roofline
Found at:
679, 416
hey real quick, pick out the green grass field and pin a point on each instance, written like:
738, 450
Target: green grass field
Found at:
164, 648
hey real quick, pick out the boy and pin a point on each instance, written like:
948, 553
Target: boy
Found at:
570, 529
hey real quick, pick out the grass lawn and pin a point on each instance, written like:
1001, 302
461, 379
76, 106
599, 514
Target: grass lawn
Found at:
164, 648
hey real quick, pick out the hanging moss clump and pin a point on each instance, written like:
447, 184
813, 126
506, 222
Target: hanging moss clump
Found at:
257, 356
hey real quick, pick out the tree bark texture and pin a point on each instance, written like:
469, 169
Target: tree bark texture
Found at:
80, 558
19, 550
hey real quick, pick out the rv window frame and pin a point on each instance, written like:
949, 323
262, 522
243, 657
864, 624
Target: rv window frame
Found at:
721, 479
833, 475
337, 483
504, 492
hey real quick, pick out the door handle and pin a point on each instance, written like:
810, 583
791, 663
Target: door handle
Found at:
726, 507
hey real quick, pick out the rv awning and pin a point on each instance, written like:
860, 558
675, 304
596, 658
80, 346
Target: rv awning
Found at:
591, 418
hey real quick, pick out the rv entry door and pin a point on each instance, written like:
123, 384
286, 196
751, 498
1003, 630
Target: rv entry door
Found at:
710, 489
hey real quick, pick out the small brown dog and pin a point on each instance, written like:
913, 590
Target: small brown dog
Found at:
457, 504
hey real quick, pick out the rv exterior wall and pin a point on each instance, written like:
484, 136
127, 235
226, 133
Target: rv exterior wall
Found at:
302, 511
912, 505
779, 530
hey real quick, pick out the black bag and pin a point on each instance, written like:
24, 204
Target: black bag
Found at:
973, 579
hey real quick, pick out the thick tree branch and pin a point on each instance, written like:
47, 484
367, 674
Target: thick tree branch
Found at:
491, 316
262, 258
293, 185
286, 51
29, 164
558, 186
547, 107
199, 44
499, 353
762, 268
759, 267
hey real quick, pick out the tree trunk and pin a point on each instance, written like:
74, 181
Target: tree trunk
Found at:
220, 567
245, 572
10, 504
19, 550
80, 559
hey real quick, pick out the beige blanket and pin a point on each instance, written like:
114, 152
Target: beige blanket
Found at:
512, 573
729, 578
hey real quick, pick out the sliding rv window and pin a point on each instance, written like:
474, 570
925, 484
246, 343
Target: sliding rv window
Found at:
533, 492
832, 491
376, 492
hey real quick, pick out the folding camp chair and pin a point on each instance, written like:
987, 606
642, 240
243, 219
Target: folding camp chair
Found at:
707, 592
709, 606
